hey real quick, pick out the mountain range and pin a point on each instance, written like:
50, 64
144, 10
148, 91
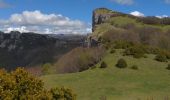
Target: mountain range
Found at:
31, 49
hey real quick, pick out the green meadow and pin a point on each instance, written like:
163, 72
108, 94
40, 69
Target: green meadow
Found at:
150, 82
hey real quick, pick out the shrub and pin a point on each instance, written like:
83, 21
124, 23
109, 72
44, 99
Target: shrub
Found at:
103, 98
112, 51
138, 55
93, 67
168, 68
135, 51
106, 46
165, 53
62, 94
103, 65
121, 63
20, 85
145, 56
46, 69
161, 58
122, 44
134, 67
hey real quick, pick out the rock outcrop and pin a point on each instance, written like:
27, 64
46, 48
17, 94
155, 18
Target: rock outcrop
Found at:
100, 15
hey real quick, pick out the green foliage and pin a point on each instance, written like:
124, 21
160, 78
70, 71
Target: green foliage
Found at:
121, 63
135, 51
46, 69
155, 20
20, 85
63, 94
138, 50
168, 68
103, 98
103, 65
161, 58
112, 51
139, 30
140, 83
122, 44
134, 67
165, 53
93, 67
151, 50
107, 45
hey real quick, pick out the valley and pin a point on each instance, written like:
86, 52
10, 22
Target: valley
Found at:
32, 49
125, 57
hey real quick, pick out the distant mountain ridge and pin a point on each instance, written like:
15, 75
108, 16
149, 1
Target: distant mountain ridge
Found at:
29, 49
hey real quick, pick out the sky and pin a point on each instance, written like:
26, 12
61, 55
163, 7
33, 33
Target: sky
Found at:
69, 16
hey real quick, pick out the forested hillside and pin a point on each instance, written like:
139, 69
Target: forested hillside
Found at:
31, 49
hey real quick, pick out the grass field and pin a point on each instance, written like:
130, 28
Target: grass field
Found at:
152, 80
122, 21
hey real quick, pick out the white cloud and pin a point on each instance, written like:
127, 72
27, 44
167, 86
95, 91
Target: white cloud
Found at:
137, 13
20, 29
162, 16
123, 2
36, 21
4, 4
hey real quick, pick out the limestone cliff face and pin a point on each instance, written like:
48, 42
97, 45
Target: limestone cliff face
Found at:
100, 15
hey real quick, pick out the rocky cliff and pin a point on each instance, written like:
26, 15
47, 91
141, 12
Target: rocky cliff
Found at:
29, 49
100, 15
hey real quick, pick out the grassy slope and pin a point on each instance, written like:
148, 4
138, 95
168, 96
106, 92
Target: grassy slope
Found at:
151, 80
121, 21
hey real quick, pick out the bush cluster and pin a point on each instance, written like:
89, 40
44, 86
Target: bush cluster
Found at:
122, 44
128, 30
168, 68
161, 58
155, 21
20, 85
121, 63
134, 67
165, 53
103, 65
112, 51
46, 69
139, 50
135, 51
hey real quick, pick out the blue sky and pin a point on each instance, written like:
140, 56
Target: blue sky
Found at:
68, 16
